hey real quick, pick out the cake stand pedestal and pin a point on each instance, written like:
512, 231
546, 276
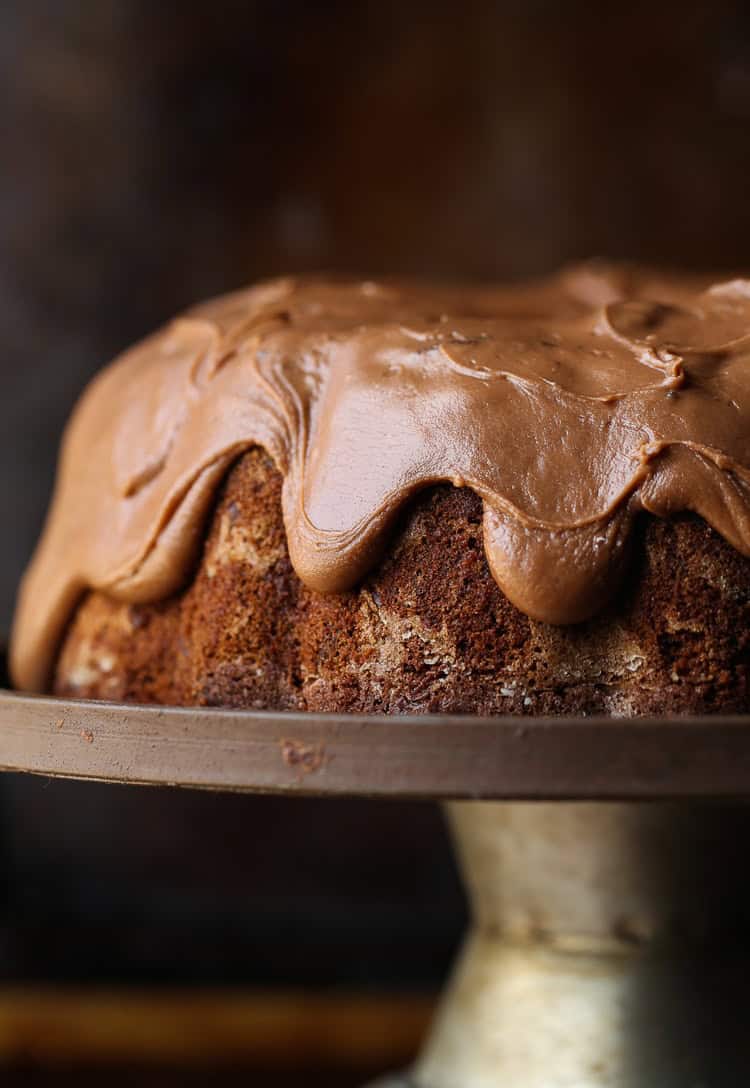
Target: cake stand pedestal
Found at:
607, 949
605, 862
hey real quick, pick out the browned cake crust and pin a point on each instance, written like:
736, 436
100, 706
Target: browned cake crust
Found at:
427, 631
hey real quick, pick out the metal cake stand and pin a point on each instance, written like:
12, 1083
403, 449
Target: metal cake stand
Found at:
606, 862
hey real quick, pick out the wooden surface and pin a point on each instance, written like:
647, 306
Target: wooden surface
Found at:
209, 1030
351, 755
197, 1078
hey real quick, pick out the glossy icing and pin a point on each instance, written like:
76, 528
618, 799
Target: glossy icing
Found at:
568, 405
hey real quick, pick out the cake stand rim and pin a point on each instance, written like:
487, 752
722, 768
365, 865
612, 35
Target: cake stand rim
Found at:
435, 757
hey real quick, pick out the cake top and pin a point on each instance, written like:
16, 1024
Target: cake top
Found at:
568, 405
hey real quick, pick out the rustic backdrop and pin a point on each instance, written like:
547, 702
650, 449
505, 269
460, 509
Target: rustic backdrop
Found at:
155, 153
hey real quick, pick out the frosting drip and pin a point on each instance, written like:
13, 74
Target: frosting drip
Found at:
568, 405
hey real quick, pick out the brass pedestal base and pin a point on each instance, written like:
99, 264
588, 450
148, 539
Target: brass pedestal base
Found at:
607, 949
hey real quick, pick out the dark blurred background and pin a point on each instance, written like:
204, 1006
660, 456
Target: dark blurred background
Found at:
156, 153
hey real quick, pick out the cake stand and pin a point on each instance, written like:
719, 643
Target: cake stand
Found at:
606, 862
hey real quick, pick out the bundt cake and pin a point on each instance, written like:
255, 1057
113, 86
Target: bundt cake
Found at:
396, 498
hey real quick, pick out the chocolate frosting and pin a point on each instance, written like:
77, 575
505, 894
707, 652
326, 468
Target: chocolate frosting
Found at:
568, 405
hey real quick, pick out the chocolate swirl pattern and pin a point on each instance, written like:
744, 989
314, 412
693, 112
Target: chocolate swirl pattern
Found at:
569, 406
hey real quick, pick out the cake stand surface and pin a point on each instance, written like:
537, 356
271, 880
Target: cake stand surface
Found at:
437, 757
605, 860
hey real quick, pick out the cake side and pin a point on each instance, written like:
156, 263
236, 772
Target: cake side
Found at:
427, 630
